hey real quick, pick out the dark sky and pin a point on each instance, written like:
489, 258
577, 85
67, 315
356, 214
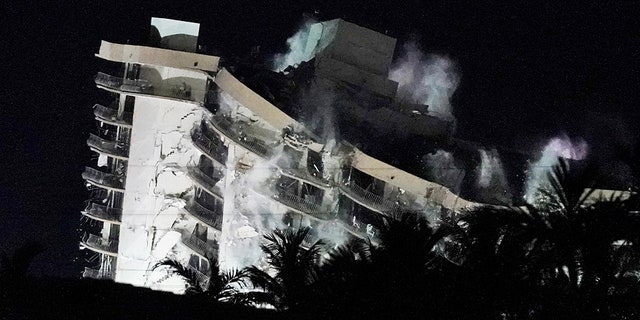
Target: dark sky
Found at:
528, 72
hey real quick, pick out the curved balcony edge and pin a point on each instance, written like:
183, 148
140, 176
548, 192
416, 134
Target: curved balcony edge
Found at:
204, 249
143, 87
110, 148
100, 245
205, 182
297, 204
97, 274
367, 199
305, 177
102, 179
209, 148
103, 213
110, 115
227, 128
204, 214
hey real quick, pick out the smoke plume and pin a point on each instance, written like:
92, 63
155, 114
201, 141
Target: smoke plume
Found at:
443, 170
254, 213
425, 79
296, 45
492, 178
556, 148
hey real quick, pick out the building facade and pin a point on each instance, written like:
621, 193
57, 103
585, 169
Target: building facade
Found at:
194, 164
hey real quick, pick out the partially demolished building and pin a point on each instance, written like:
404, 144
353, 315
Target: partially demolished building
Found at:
197, 158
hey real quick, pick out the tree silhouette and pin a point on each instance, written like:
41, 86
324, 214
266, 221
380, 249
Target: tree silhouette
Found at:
220, 286
557, 257
294, 265
398, 277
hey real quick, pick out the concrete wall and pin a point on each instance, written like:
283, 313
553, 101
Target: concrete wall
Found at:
157, 56
160, 149
168, 81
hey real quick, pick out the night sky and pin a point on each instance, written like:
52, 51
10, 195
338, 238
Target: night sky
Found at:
529, 72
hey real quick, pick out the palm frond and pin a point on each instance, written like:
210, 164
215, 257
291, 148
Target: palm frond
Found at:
262, 280
175, 267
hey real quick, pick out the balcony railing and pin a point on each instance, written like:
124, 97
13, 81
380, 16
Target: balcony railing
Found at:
118, 83
204, 214
303, 174
103, 179
299, 204
104, 213
203, 279
109, 81
233, 132
254, 146
97, 274
362, 231
205, 181
203, 248
182, 92
109, 147
138, 85
368, 199
101, 245
214, 150
111, 115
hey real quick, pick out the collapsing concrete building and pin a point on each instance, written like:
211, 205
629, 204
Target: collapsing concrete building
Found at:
197, 158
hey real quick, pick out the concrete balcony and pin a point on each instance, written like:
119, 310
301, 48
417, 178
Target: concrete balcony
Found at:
206, 182
212, 149
97, 274
204, 214
233, 131
110, 148
300, 205
100, 245
110, 116
103, 213
108, 81
142, 86
117, 83
203, 279
368, 199
105, 180
304, 175
206, 249
362, 231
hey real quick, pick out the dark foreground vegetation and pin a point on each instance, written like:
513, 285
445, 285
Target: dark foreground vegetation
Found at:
561, 258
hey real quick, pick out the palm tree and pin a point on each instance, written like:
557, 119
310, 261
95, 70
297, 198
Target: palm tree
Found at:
559, 251
221, 286
399, 277
293, 262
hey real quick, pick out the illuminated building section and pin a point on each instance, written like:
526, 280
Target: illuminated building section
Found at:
193, 164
